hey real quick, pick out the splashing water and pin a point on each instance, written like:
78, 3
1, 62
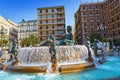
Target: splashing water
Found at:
41, 55
95, 60
49, 68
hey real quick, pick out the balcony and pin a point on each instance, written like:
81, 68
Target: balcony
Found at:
52, 29
55, 12
115, 7
117, 21
114, 15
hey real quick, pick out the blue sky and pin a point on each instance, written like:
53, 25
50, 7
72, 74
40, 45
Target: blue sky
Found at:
16, 10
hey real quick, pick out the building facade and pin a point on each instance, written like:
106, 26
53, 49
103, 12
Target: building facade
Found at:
51, 20
87, 20
113, 18
102, 18
10, 31
26, 28
13, 30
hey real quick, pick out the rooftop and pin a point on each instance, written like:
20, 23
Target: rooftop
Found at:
50, 7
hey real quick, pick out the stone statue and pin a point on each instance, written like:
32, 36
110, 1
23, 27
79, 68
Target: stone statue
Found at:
68, 38
52, 49
88, 45
95, 47
65, 40
12, 50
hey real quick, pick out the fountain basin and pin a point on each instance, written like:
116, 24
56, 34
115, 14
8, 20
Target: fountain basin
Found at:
29, 69
70, 68
36, 60
62, 68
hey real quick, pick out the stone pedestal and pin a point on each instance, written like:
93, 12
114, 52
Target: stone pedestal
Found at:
54, 67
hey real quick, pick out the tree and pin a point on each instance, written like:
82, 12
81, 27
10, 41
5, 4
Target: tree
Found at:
25, 42
105, 39
93, 36
31, 40
5, 42
118, 41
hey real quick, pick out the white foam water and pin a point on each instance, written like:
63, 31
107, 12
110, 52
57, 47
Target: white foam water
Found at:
37, 56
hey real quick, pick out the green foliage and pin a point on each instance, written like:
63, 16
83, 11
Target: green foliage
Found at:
25, 42
93, 36
4, 42
31, 40
118, 40
105, 39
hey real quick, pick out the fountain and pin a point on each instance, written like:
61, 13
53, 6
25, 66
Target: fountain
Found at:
53, 59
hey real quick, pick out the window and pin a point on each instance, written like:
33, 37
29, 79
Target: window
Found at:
40, 21
46, 16
98, 24
83, 13
91, 30
59, 10
90, 7
40, 11
46, 11
52, 15
83, 7
118, 25
52, 21
49, 10
84, 24
96, 7
53, 32
40, 33
41, 39
46, 32
60, 32
52, 10
90, 13
59, 15
46, 21
40, 27
40, 17
53, 26
119, 33
117, 17
91, 24
43, 11
46, 27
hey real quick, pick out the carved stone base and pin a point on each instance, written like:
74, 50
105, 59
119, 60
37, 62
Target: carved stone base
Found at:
16, 63
54, 67
90, 59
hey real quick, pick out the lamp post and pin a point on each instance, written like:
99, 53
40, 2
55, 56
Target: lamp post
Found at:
102, 29
2, 32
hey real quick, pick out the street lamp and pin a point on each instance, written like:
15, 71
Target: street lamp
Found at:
2, 32
102, 29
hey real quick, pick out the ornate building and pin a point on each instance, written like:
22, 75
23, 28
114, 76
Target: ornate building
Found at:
102, 17
113, 18
10, 30
26, 28
87, 20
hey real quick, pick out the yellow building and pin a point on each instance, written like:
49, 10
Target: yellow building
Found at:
10, 30
4, 23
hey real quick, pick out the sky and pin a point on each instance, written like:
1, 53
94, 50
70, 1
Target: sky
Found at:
16, 10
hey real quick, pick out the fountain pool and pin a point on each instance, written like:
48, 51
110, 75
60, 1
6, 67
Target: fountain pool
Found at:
38, 60
109, 69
